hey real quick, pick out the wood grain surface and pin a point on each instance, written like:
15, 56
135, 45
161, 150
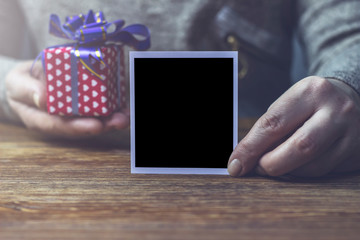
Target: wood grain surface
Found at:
83, 189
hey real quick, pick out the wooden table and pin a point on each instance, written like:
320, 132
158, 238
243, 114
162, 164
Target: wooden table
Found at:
53, 189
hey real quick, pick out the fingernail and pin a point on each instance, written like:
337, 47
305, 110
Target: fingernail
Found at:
36, 99
234, 167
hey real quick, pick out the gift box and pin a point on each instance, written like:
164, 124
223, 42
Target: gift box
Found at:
87, 77
88, 94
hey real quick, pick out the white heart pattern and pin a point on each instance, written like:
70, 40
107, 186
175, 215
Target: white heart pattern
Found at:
49, 66
85, 87
60, 104
92, 99
48, 55
67, 66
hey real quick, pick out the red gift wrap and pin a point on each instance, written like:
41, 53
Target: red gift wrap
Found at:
98, 91
87, 76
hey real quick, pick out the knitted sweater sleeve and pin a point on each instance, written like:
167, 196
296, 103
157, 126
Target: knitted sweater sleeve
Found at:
11, 51
329, 31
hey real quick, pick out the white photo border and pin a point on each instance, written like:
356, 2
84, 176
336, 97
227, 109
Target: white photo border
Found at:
181, 54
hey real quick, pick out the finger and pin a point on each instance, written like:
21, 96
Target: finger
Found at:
22, 87
116, 121
350, 164
325, 163
282, 118
310, 141
341, 157
56, 125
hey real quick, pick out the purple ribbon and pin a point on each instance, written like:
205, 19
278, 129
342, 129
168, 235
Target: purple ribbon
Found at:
91, 31
94, 29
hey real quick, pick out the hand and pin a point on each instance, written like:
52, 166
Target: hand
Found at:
311, 130
26, 95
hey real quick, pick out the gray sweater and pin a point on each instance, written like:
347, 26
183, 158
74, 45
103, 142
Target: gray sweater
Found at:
261, 30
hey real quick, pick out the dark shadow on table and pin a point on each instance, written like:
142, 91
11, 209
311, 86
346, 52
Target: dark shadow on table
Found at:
112, 140
329, 178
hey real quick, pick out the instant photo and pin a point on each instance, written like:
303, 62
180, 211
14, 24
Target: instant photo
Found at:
183, 111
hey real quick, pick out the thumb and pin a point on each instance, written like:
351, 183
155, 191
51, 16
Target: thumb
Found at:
25, 88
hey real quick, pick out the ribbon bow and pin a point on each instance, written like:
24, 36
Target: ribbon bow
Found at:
91, 31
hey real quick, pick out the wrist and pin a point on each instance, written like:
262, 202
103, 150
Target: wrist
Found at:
345, 87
